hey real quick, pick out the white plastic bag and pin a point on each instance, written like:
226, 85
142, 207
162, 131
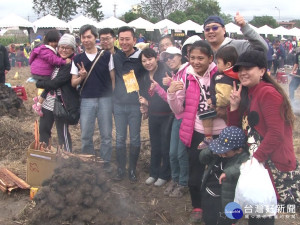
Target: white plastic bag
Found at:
254, 191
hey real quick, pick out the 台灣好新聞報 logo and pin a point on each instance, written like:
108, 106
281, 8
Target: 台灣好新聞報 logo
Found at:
233, 210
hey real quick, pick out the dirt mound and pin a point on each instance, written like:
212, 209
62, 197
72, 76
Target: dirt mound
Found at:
13, 138
80, 193
10, 103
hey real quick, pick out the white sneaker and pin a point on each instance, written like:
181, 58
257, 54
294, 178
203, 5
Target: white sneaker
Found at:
160, 182
150, 180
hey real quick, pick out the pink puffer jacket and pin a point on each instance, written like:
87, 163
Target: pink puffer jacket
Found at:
193, 98
43, 59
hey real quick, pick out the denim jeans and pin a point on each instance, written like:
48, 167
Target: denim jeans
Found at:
90, 110
294, 84
179, 159
160, 131
127, 115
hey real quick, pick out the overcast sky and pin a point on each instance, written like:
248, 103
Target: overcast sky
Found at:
288, 9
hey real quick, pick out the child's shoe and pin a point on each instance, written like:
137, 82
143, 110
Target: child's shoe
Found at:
38, 109
204, 144
35, 100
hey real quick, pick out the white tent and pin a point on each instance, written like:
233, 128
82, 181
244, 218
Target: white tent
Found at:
191, 25
12, 20
49, 22
111, 22
233, 28
80, 21
265, 29
141, 23
167, 24
295, 32
281, 31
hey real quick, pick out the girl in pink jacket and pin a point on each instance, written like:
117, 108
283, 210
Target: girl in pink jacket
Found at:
42, 61
191, 99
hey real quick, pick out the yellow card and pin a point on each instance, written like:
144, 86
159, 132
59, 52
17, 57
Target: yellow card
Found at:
130, 81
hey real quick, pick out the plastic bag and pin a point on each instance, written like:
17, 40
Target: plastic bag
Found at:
254, 191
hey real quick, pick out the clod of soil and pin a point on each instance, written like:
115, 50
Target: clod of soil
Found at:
10, 103
81, 193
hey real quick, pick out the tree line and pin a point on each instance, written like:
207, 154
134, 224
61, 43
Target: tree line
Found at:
177, 11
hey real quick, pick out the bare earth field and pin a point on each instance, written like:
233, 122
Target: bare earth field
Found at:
125, 203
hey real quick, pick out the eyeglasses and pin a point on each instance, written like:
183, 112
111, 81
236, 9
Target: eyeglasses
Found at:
105, 39
64, 48
213, 28
169, 57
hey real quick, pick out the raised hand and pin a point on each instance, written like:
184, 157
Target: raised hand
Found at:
239, 20
167, 79
175, 86
235, 97
82, 72
153, 84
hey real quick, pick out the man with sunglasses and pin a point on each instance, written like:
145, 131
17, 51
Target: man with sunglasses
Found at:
215, 34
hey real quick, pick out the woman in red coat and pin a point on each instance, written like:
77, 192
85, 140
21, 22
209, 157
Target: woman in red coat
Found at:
263, 110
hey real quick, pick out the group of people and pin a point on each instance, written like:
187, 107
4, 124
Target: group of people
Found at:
210, 107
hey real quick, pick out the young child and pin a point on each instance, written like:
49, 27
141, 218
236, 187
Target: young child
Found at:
42, 61
223, 159
220, 89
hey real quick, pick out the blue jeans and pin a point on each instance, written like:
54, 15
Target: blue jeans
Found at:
294, 84
90, 110
127, 115
179, 159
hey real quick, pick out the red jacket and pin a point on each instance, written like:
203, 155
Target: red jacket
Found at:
277, 136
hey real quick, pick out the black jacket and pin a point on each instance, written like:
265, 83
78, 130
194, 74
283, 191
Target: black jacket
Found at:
124, 65
4, 61
157, 105
69, 94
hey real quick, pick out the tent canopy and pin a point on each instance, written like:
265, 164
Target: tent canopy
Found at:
168, 24
281, 31
191, 25
295, 31
13, 20
111, 22
233, 28
265, 29
49, 22
80, 21
141, 23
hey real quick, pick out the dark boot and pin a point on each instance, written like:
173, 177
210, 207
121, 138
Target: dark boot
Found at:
133, 158
121, 162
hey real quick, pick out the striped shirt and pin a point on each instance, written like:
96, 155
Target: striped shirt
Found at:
49, 101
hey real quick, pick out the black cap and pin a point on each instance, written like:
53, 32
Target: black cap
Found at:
251, 58
214, 19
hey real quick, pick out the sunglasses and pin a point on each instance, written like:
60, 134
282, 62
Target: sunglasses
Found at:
169, 57
213, 28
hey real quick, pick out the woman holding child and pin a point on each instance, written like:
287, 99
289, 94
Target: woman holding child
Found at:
261, 107
60, 84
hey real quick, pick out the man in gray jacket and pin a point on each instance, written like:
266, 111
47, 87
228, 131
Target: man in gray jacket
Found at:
215, 34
